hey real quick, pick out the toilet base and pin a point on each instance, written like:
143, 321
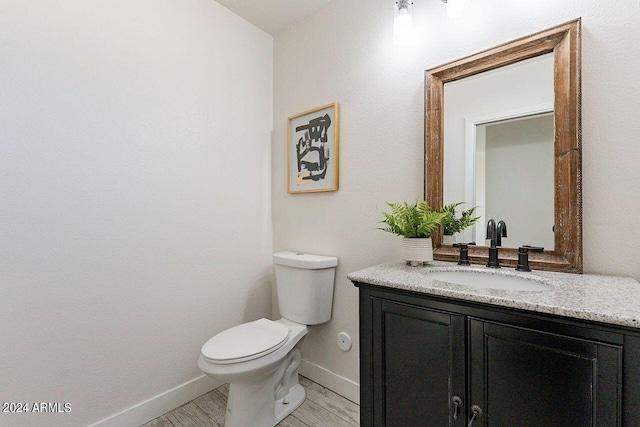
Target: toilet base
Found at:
253, 405
267, 402
295, 398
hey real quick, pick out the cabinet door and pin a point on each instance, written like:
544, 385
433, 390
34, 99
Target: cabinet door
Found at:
521, 377
418, 366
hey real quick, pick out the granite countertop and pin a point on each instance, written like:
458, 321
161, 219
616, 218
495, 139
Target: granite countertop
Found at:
607, 299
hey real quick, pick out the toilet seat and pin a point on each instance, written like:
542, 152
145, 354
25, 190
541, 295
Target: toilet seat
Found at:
245, 342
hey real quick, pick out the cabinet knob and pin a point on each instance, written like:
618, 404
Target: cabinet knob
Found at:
457, 404
476, 411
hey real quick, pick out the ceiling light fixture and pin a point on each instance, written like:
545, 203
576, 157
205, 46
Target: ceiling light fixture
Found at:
402, 23
403, 20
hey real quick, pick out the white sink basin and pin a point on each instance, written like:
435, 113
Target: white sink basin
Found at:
488, 281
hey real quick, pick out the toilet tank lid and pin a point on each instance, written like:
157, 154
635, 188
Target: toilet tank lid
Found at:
306, 261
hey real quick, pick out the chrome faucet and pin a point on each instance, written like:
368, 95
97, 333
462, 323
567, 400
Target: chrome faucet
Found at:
495, 234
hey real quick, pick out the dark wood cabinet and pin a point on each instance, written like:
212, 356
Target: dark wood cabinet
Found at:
523, 377
421, 357
432, 361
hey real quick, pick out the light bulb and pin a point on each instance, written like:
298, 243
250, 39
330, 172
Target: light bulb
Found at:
403, 23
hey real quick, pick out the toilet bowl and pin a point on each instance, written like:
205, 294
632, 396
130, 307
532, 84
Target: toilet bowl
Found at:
264, 386
260, 359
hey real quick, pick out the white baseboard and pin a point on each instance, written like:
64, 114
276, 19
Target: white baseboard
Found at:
334, 382
164, 402
161, 404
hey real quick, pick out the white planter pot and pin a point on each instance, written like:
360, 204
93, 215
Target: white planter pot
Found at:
449, 240
416, 250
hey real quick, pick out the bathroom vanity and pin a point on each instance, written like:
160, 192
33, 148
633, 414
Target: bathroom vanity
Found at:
436, 350
446, 345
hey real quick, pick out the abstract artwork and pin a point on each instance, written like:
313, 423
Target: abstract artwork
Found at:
312, 150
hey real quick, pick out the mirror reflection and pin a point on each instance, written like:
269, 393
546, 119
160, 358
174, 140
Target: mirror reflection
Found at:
499, 150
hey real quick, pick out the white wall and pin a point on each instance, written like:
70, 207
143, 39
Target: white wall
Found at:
344, 53
135, 194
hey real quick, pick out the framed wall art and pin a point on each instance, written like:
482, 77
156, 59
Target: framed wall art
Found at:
312, 150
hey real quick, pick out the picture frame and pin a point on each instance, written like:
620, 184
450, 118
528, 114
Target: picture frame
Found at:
312, 150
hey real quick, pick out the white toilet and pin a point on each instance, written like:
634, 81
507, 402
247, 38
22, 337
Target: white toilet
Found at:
260, 359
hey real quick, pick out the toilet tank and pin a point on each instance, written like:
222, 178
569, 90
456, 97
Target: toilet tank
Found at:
304, 284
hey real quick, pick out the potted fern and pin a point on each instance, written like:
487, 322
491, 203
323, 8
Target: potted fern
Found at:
415, 223
453, 224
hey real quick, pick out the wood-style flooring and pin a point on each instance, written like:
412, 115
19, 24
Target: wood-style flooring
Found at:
322, 408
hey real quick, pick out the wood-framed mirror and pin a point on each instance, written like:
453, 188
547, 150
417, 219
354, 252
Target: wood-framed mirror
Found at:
562, 46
